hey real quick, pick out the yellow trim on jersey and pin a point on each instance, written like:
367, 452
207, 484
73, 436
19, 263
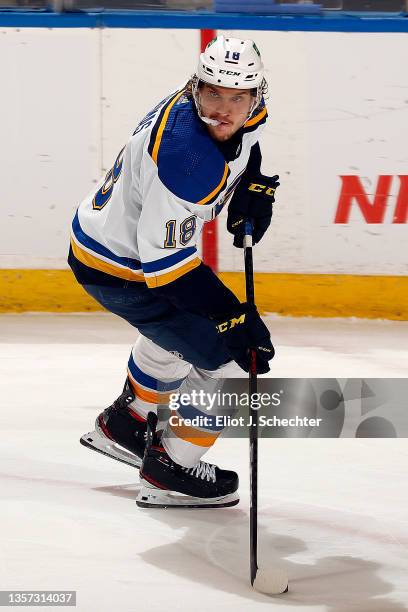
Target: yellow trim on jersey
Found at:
217, 189
168, 277
98, 264
256, 119
162, 125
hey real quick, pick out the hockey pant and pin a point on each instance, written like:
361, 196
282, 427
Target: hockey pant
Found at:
177, 352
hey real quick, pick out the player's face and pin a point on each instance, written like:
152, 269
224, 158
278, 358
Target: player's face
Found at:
228, 106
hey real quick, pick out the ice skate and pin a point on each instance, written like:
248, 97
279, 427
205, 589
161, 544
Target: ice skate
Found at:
119, 433
167, 484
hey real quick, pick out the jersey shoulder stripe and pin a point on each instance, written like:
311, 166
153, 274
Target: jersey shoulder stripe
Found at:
211, 197
260, 118
189, 163
160, 124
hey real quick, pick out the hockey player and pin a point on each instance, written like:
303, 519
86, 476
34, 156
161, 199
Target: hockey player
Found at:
134, 249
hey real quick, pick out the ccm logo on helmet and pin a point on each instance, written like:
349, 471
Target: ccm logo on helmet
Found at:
223, 327
229, 72
269, 191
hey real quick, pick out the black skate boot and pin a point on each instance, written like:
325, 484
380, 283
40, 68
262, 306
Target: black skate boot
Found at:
119, 432
167, 484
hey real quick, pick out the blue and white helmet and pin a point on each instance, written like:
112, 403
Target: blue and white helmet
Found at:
231, 62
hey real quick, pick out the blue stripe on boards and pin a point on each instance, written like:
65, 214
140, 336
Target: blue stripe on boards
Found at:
328, 21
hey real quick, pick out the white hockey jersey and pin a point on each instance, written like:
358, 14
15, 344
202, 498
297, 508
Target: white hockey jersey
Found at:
143, 220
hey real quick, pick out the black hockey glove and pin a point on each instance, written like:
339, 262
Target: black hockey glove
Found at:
252, 199
243, 330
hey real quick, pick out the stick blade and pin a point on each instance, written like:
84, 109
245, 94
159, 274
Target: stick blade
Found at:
271, 581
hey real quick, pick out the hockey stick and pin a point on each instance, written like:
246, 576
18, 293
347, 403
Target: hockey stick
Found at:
273, 580
253, 431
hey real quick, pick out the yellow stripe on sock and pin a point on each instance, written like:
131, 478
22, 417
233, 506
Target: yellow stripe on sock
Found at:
191, 434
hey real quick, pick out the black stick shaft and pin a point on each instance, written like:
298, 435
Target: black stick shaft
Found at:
253, 457
253, 414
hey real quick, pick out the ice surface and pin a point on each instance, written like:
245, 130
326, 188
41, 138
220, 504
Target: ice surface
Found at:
334, 511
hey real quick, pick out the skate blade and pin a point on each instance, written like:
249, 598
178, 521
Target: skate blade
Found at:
152, 497
101, 444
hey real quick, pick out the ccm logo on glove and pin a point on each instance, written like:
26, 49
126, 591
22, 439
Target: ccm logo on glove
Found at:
268, 191
252, 199
223, 327
242, 331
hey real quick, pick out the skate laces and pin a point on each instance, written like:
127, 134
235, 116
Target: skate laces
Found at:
203, 470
